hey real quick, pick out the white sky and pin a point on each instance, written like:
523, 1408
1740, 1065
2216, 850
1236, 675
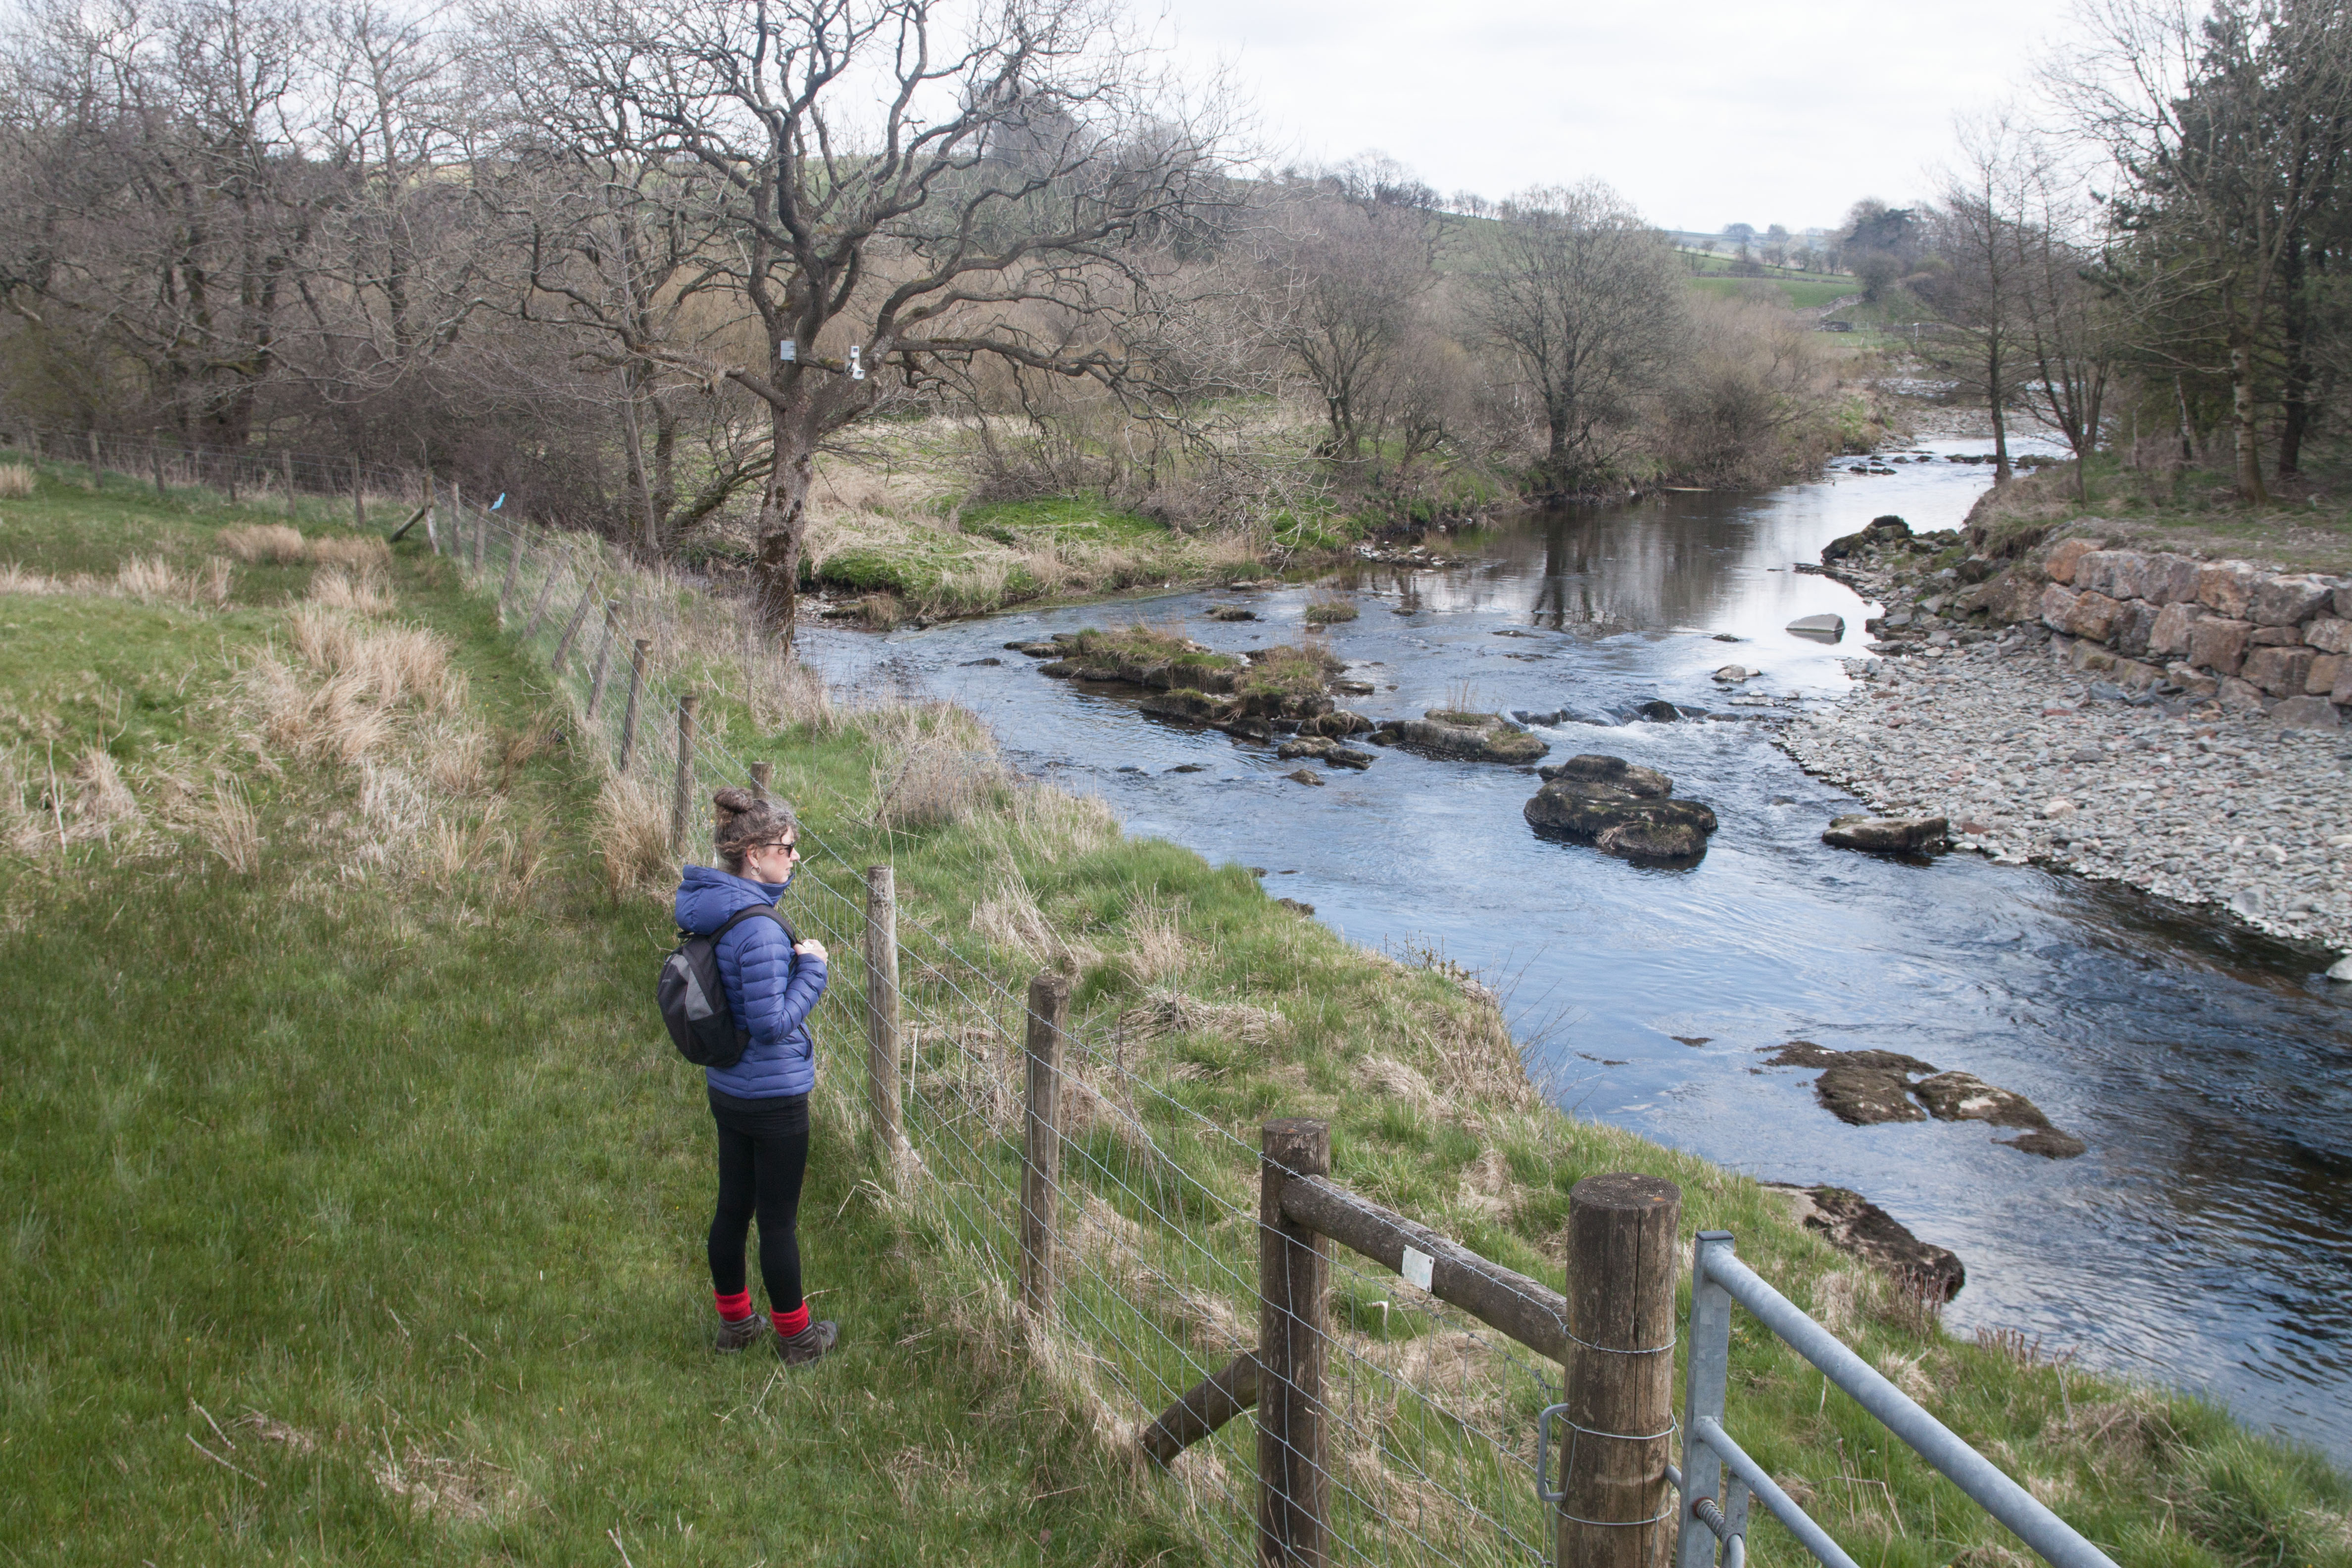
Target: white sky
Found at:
1703, 113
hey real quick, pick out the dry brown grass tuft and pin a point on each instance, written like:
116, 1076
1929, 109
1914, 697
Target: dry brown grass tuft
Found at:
229, 827
355, 553
152, 580
274, 543
780, 690
1155, 943
17, 480
389, 663
15, 578
1010, 917
937, 766
632, 832
104, 802
451, 752
1174, 1012
363, 591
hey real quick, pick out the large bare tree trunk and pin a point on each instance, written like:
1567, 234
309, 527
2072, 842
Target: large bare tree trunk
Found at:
783, 526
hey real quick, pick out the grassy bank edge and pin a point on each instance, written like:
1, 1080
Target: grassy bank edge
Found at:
1433, 1114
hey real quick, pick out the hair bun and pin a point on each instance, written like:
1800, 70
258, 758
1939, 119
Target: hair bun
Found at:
733, 803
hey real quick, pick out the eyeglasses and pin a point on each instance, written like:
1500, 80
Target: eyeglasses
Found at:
790, 846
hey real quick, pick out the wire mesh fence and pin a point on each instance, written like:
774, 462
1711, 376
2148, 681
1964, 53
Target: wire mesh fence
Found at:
1430, 1415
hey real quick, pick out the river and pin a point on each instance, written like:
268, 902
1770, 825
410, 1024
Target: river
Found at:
2206, 1240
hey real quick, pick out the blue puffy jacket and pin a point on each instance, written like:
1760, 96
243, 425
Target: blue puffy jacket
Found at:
771, 989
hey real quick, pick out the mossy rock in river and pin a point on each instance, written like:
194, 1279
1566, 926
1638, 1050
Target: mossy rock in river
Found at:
1619, 809
1592, 767
1461, 737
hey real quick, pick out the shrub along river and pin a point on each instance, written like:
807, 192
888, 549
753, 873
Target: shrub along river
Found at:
2205, 1240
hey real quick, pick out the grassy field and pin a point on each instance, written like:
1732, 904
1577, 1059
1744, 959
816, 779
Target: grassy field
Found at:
355, 1198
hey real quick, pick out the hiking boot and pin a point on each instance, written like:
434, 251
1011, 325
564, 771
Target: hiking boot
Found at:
807, 1346
739, 1334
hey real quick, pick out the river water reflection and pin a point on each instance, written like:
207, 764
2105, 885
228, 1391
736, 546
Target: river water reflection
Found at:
2206, 1240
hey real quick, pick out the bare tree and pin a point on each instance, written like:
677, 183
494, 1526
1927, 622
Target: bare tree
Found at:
2230, 130
1979, 293
1344, 265
896, 190
162, 192
1585, 301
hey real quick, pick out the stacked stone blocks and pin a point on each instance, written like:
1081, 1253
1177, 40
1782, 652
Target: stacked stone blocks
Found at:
2278, 642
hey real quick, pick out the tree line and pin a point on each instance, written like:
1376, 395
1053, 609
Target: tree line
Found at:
641, 262
2152, 259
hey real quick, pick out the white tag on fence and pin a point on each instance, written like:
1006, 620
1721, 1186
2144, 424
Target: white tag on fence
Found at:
1418, 1267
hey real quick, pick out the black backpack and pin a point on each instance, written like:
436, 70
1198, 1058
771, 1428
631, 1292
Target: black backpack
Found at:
694, 999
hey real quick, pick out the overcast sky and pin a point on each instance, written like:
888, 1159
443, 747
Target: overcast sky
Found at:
1704, 112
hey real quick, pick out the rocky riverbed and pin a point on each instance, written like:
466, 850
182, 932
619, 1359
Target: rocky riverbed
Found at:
2034, 761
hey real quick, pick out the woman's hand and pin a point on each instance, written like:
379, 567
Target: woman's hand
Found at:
810, 947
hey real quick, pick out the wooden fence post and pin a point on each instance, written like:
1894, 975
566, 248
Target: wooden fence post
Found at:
1041, 1155
681, 800
539, 605
1616, 1509
514, 569
882, 1006
637, 685
571, 630
762, 774
156, 461
286, 467
1294, 1275
93, 457
432, 510
603, 656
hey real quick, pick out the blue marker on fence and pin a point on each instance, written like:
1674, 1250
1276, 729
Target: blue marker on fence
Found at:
499, 502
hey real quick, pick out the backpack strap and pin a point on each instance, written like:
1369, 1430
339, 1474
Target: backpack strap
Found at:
739, 916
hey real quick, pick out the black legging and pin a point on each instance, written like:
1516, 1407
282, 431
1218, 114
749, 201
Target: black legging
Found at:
762, 1153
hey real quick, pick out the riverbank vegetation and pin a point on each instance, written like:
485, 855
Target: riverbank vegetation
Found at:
2146, 263
356, 1198
627, 302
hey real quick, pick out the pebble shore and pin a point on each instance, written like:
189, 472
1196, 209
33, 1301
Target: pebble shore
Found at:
2032, 764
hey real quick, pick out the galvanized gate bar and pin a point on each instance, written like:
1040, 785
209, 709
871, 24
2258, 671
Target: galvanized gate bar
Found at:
1708, 1432
2044, 1530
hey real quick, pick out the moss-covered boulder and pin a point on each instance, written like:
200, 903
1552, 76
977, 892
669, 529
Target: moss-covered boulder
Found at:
1457, 736
1620, 808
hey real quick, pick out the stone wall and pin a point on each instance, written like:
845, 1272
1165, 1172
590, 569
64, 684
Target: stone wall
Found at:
2277, 642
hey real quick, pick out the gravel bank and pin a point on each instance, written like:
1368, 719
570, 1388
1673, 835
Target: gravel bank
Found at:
2030, 764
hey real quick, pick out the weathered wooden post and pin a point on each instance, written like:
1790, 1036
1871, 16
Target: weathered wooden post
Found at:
514, 569
285, 468
636, 686
881, 1005
1041, 1153
155, 460
761, 774
1294, 1275
432, 512
571, 630
539, 605
681, 800
481, 529
93, 459
1616, 1508
603, 656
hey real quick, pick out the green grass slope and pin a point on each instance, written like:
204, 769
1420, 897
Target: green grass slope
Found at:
355, 1200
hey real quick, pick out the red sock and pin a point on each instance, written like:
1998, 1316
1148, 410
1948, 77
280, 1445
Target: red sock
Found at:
733, 1309
793, 1323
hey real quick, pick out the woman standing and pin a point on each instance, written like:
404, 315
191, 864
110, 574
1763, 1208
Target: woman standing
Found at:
760, 1103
